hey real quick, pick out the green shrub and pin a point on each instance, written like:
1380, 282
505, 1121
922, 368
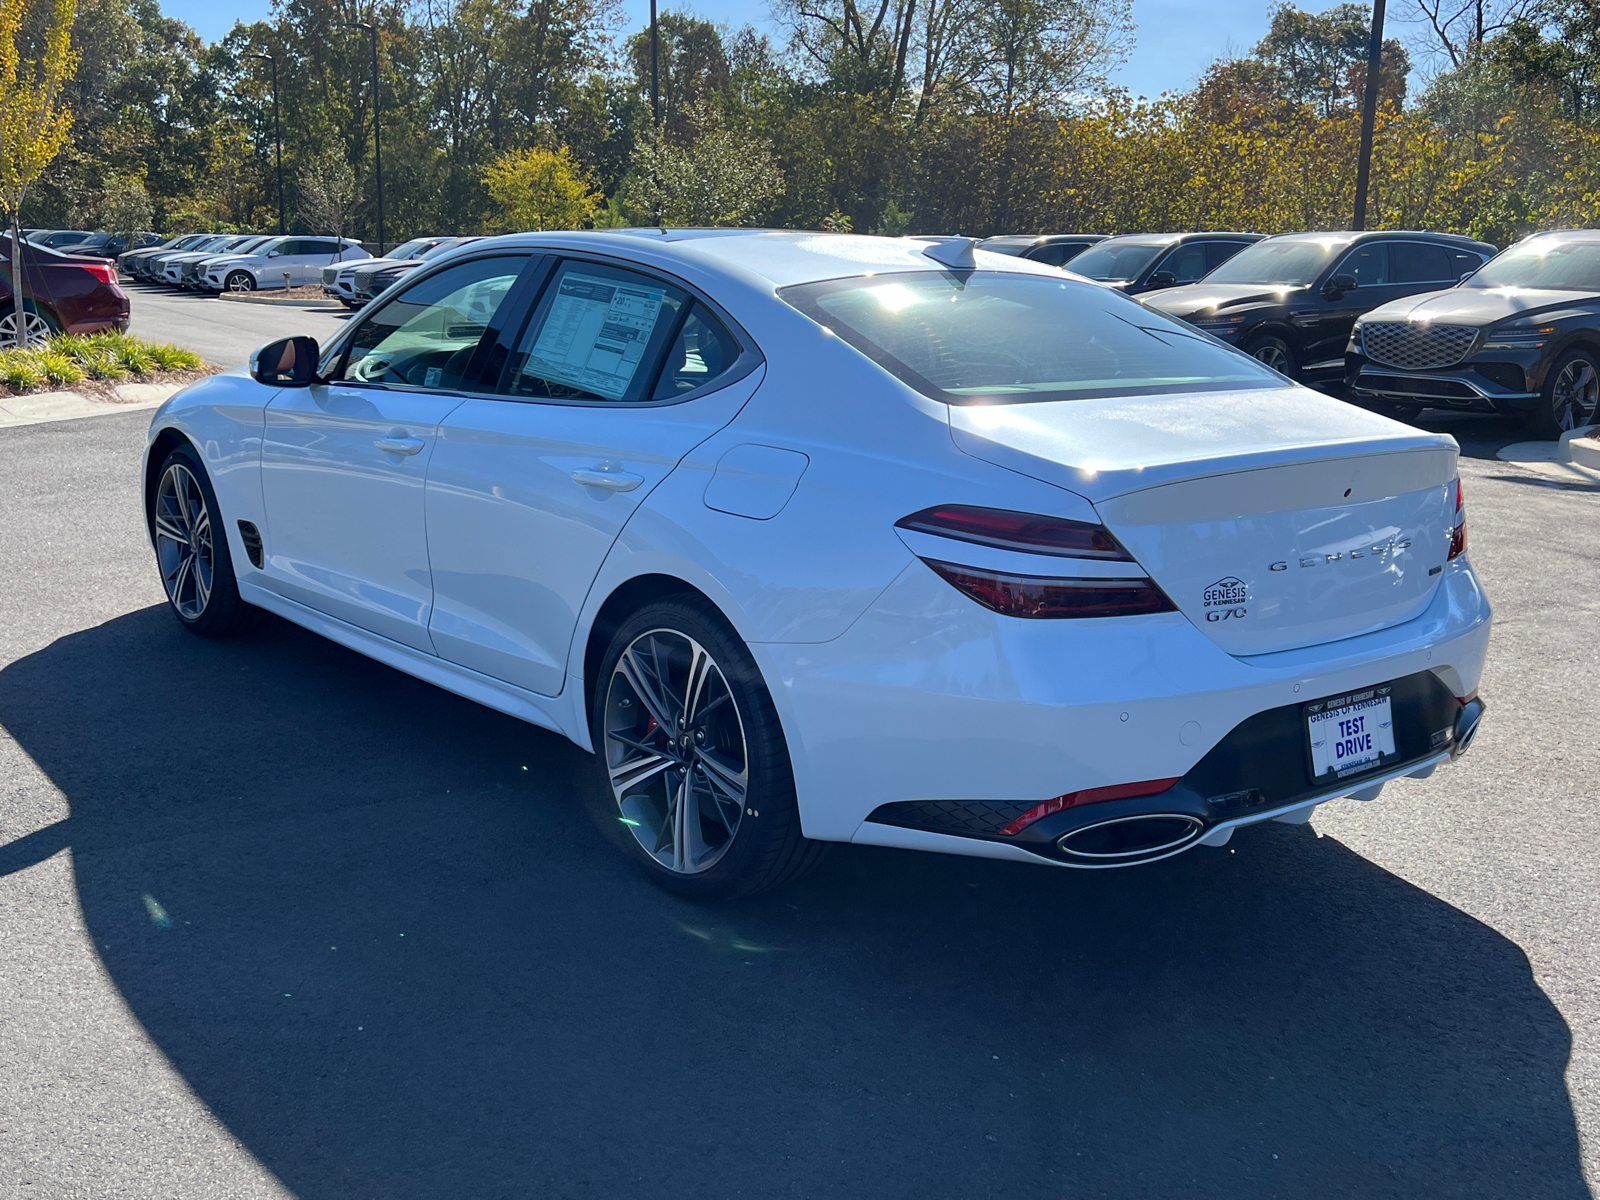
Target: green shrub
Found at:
58, 368
19, 371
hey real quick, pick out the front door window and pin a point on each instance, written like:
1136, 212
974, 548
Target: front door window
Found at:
425, 337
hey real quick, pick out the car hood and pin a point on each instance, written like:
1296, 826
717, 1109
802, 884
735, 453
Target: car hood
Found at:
1480, 306
230, 260
1192, 299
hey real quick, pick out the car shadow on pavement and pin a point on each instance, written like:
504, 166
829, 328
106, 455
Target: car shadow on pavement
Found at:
376, 930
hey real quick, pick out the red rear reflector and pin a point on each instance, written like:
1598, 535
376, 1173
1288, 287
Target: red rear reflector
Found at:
1458, 540
104, 272
1117, 791
1024, 596
1028, 532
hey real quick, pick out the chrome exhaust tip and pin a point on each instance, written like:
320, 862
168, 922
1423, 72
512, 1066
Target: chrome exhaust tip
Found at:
1129, 840
1467, 722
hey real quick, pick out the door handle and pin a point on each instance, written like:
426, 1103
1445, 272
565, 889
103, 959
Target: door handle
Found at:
399, 445
616, 481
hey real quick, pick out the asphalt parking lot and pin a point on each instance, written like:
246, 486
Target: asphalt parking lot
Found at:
276, 920
223, 332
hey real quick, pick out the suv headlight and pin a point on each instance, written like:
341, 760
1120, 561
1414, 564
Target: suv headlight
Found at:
1525, 337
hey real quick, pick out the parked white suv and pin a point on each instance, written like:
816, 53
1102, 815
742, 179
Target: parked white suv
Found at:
301, 259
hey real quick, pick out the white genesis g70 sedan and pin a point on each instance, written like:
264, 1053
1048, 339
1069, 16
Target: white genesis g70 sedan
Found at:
818, 538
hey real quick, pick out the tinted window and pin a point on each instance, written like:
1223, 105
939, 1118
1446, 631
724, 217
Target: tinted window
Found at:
425, 336
994, 338
1283, 262
1544, 262
1419, 262
1051, 255
700, 353
1188, 263
596, 335
1218, 253
1115, 260
1463, 263
1368, 264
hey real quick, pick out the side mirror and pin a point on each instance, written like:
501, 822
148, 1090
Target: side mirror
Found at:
274, 253
1163, 279
291, 362
1339, 285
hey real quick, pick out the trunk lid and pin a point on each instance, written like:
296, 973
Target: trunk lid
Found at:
1273, 519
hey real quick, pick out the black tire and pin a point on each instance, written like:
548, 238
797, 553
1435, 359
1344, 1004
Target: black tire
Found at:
1273, 351
239, 281
764, 848
221, 612
1569, 398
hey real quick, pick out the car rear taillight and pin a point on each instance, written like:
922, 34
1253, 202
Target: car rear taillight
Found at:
104, 272
1039, 597
1118, 791
1031, 533
1458, 535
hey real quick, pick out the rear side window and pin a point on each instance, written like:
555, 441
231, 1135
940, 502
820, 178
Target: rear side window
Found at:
596, 335
993, 337
1464, 263
1419, 262
1218, 253
701, 353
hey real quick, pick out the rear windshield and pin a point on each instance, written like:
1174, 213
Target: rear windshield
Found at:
992, 337
1113, 261
1543, 263
1291, 264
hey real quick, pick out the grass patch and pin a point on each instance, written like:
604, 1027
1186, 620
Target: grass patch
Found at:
101, 356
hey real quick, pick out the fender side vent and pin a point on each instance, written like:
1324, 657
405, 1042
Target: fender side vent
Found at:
251, 536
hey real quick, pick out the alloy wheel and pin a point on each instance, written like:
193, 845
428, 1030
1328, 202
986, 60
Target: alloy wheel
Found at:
183, 541
1274, 357
675, 751
38, 330
1575, 395
240, 282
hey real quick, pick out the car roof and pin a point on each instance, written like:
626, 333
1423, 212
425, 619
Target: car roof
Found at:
1349, 237
781, 257
1040, 239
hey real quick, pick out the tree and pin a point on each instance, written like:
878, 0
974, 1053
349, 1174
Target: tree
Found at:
124, 208
692, 66
328, 192
541, 189
726, 175
34, 124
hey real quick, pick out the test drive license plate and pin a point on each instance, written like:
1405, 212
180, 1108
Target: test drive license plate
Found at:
1350, 733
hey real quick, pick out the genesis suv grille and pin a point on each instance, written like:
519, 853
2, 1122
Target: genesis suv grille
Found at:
1413, 346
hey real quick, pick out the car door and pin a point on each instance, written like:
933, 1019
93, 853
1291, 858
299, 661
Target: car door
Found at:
1328, 319
616, 375
343, 462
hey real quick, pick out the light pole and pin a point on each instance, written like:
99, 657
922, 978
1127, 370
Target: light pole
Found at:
655, 68
377, 141
277, 138
1369, 116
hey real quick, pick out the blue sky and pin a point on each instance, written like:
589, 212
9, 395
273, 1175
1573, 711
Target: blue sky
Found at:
1176, 39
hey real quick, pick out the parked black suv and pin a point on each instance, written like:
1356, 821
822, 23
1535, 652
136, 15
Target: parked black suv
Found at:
1291, 300
1145, 262
1522, 337
1052, 248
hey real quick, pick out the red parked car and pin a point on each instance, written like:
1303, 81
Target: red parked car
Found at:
61, 295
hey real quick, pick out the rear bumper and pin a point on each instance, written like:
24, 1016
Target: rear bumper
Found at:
929, 698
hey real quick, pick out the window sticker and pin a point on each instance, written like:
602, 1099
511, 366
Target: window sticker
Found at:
596, 334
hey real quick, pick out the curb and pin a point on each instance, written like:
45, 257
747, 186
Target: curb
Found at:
250, 298
37, 408
1581, 446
